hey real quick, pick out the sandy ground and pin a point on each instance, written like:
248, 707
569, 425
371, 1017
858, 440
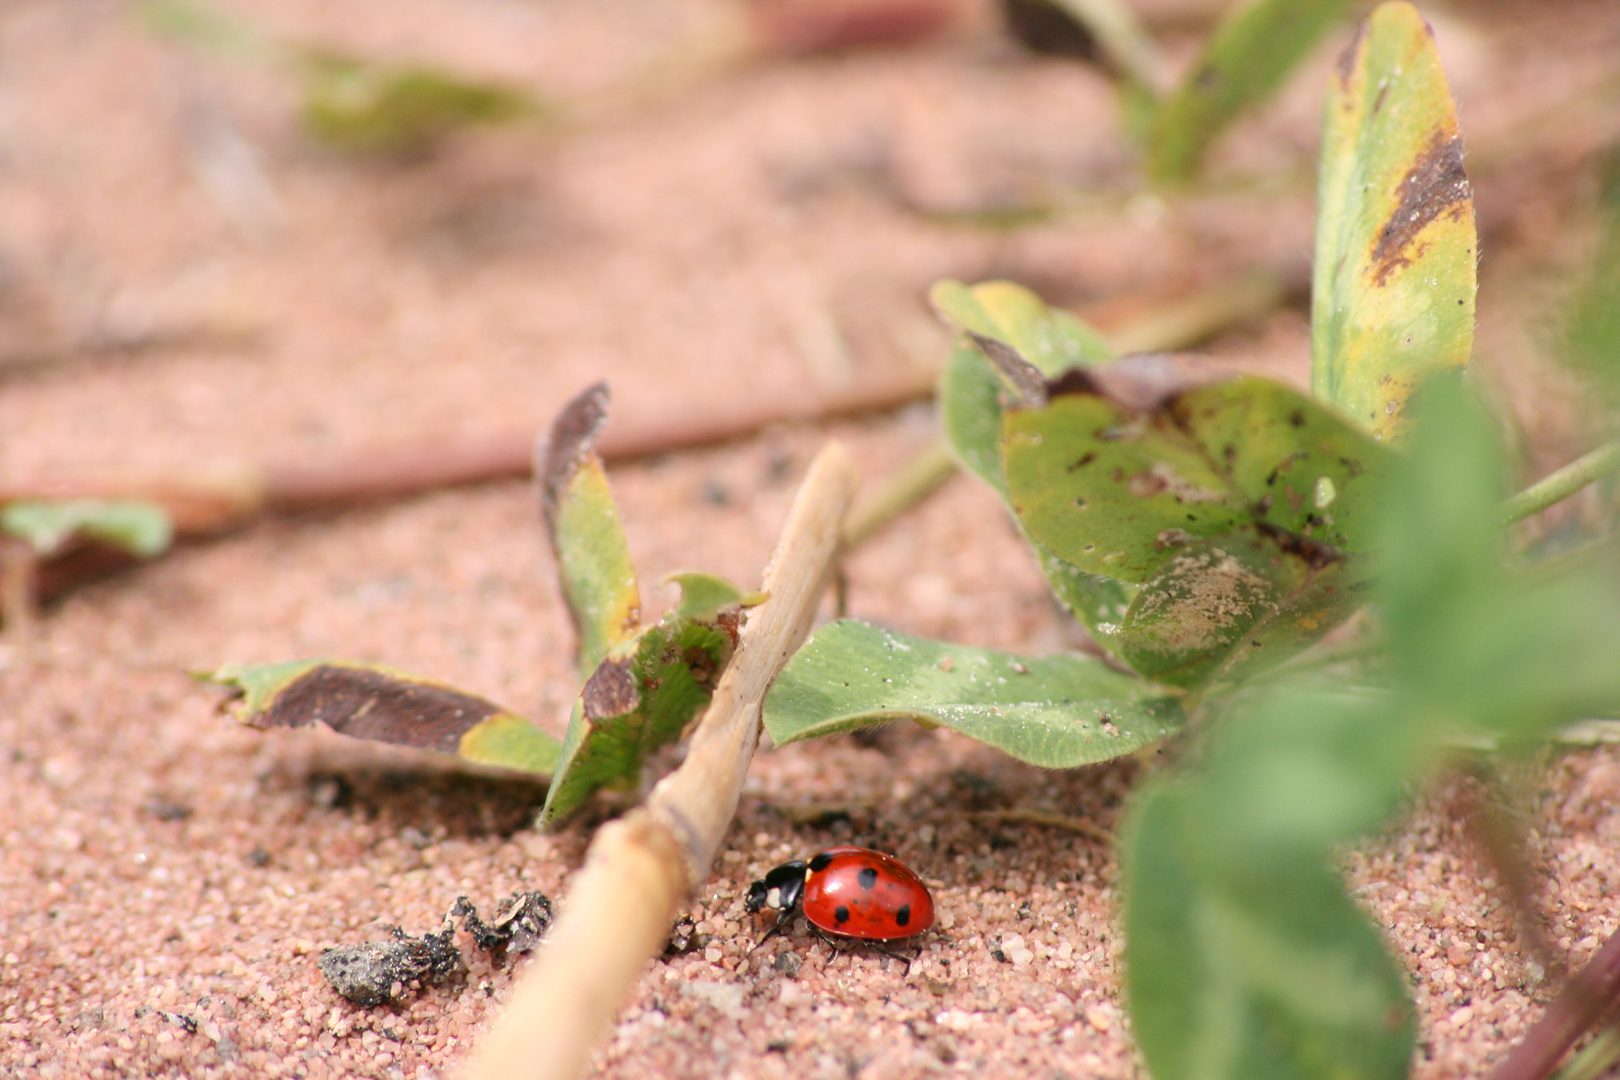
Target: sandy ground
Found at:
167, 879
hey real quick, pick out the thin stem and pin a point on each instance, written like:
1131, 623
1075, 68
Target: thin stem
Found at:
381, 474
1563, 483
1117, 29
1590, 994
640, 867
1595, 1060
1502, 839
1050, 820
918, 478
19, 612
1193, 319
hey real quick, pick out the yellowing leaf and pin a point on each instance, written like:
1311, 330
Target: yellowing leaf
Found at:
970, 396
382, 704
593, 557
1050, 338
1393, 295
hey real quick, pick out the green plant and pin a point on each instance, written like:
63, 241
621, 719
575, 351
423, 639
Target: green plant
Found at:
1244, 61
1208, 528
140, 528
1248, 54
643, 685
348, 102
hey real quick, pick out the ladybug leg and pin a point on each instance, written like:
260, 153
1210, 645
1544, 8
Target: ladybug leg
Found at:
902, 957
831, 944
779, 926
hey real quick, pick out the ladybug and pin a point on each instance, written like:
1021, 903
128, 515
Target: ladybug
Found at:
848, 891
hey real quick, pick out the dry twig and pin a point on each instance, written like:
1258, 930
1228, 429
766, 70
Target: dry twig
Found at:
640, 867
205, 506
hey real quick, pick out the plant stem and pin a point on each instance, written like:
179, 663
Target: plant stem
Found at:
1563, 483
1191, 320
1117, 29
917, 479
1502, 839
1595, 1060
19, 565
1590, 994
641, 867
1051, 821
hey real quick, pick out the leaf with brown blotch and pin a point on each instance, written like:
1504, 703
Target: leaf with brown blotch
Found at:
1043, 341
1394, 282
1221, 609
1145, 381
641, 697
594, 566
382, 704
1115, 488
1026, 380
1235, 505
1011, 336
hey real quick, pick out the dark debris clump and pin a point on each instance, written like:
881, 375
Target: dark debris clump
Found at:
380, 971
683, 938
520, 921
383, 971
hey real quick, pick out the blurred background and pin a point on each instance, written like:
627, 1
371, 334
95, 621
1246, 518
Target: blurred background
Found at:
281, 230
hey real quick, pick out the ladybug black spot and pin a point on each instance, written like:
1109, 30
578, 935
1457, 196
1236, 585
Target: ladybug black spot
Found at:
841, 915
867, 878
820, 863
903, 916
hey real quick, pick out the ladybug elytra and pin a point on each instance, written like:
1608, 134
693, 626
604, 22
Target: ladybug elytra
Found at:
849, 891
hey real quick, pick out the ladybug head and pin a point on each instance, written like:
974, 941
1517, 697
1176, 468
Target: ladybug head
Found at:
781, 889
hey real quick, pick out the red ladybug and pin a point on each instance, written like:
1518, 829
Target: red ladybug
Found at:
849, 891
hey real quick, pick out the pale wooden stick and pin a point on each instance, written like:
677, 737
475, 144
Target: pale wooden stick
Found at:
641, 867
